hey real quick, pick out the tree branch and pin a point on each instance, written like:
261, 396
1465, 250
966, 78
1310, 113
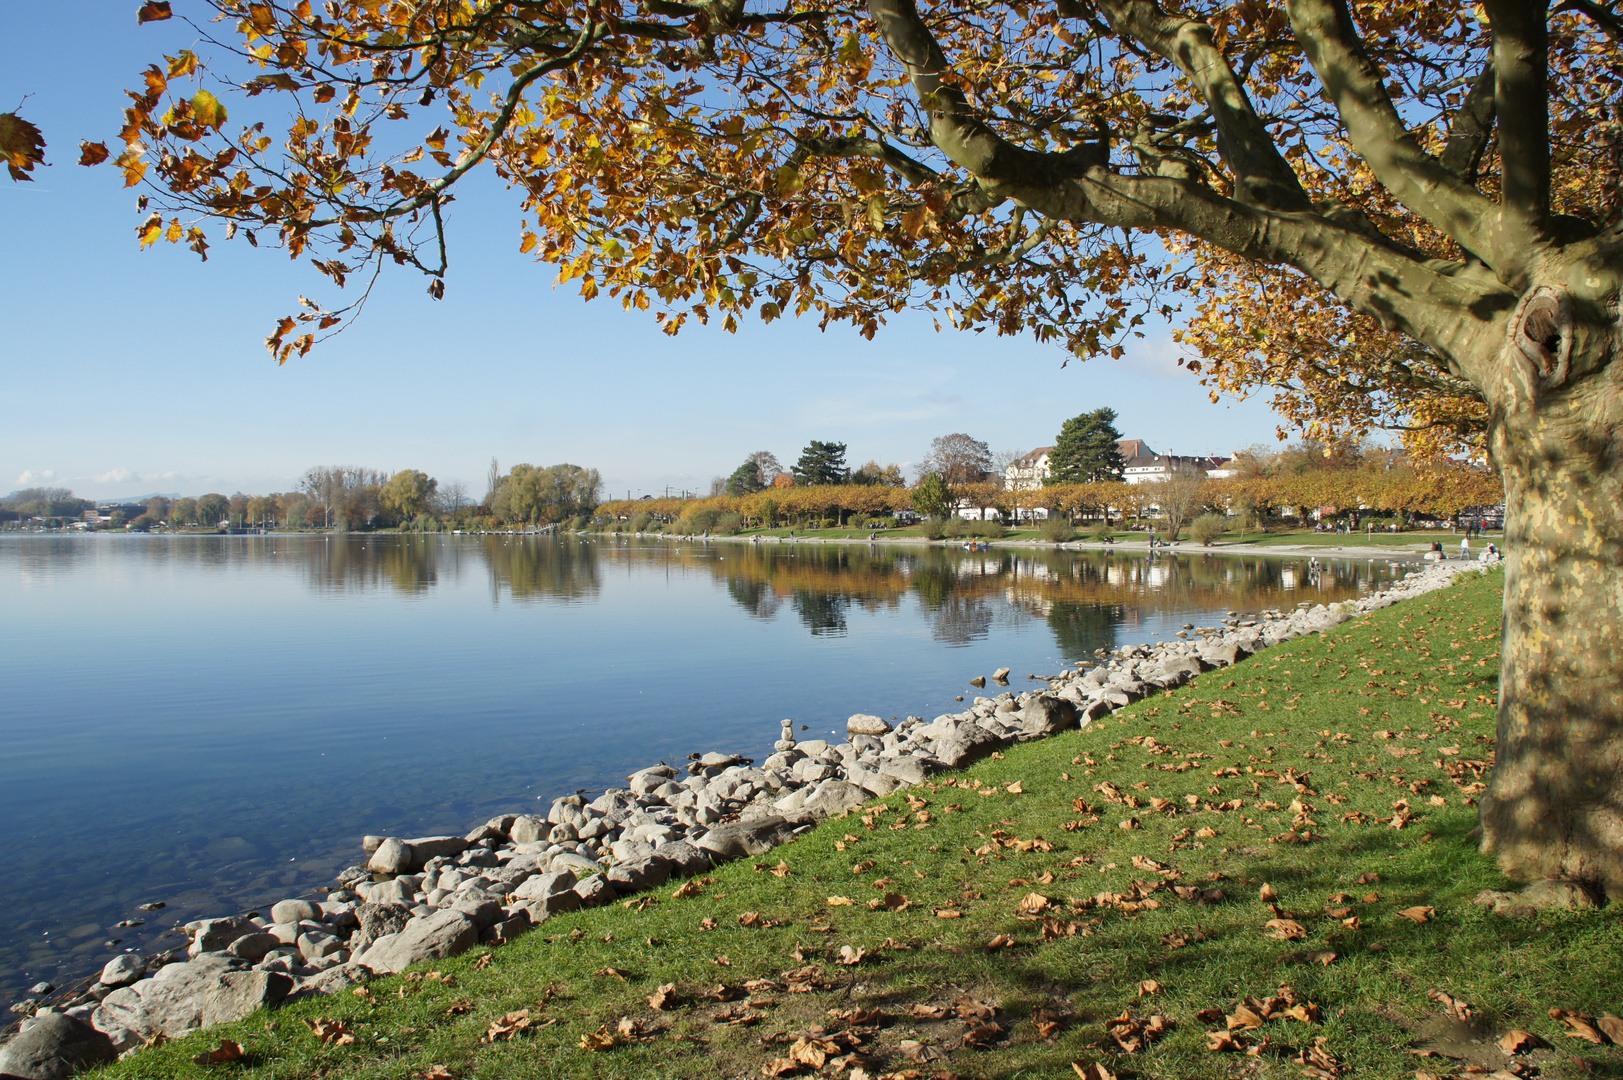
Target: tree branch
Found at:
1353, 84
1469, 134
1262, 176
1521, 55
1601, 15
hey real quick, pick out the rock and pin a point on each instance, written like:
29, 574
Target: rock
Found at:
906, 771
743, 838
253, 947
394, 891
393, 856
123, 970
685, 859
867, 724
314, 945
576, 863
639, 875
424, 848
184, 997
568, 810
485, 832
836, 797
213, 935
508, 930
978, 681
54, 1047
370, 843
595, 891
292, 911
1047, 715
541, 886
337, 979
442, 934
484, 912
377, 920
1001, 675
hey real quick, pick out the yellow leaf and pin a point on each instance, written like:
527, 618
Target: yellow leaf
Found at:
182, 65
208, 110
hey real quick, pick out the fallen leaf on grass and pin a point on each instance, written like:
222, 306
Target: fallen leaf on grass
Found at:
601, 1039
1209, 1016
1456, 1008
1267, 893
948, 913
460, 1008
1417, 914
863, 867
335, 1032
1148, 987
1368, 877
851, 955
483, 962
1318, 1062
664, 998
1033, 903
1092, 1071
923, 1011
1286, 929
1000, 941
508, 1026
983, 1035
1578, 1026
890, 902
754, 920
839, 901
1133, 1033
1148, 865
1518, 1041
435, 1072
1014, 788
1611, 1026
1225, 1041
690, 887
781, 870
919, 1052
226, 1051
613, 972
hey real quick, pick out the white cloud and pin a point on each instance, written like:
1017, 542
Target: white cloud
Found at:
1156, 357
116, 476
30, 478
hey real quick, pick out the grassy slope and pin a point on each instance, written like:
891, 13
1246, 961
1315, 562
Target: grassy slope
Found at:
1424, 672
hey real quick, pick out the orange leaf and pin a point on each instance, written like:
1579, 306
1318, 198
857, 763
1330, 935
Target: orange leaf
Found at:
153, 11
92, 153
226, 1051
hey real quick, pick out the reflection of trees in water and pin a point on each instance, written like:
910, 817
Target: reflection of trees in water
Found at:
542, 568
823, 613
960, 619
754, 596
1079, 629
360, 563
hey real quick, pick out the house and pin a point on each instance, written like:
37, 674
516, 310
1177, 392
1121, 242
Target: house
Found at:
1028, 473
1146, 466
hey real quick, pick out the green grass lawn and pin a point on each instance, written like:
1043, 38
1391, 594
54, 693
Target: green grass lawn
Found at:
1011, 919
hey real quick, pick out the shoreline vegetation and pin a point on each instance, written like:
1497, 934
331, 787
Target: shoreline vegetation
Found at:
987, 941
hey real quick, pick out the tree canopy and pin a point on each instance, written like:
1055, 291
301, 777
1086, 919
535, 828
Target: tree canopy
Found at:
957, 459
746, 479
821, 463
1085, 451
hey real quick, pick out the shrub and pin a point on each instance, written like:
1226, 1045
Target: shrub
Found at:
953, 527
990, 529
1208, 527
641, 522
933, 528
1102, 532
857, 521
702, 520
729, 524
1057, 530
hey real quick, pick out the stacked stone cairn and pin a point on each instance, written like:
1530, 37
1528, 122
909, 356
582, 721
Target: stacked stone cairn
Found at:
417, 900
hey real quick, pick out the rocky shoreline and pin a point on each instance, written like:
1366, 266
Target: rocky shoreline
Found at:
426, 898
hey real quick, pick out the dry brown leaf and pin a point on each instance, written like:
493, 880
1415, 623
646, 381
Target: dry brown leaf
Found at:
1148, 987
1000, 941
335, 1032
601, 1039
1517, 1041
483, 962
919, 1052
1267, 893
1323, 958
1015, 788
1225, 1041
923, 1011
851, 955
1368, 877
1612, 1027
226, 1051
1033, 903
460, 1008
1092, 1071
1417, 914
1317, 1061
1578, 1025
1456, 1008
664, 998
839, 901
1246, 1017
508, 1026
435, 1072
982, 1035
1286, 929
948, 913
690, 887
613, 972
782, 869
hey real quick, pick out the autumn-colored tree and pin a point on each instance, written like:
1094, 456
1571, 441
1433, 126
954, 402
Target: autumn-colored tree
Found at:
212, 509
406, 493
1405, 212
957, 459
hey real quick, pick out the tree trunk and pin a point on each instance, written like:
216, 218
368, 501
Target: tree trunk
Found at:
1554, 807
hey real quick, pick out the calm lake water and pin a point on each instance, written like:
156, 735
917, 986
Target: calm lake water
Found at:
214, 722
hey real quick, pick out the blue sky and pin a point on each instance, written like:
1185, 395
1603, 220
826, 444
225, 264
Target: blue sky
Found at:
124, 372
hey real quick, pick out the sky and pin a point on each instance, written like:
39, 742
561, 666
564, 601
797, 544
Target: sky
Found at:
125, 372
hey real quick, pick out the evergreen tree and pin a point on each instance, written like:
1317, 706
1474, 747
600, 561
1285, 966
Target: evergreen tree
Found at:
746, 479
822, 463
1085, 451
932, 497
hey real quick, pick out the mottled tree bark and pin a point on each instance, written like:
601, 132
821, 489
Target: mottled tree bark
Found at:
1554, 808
